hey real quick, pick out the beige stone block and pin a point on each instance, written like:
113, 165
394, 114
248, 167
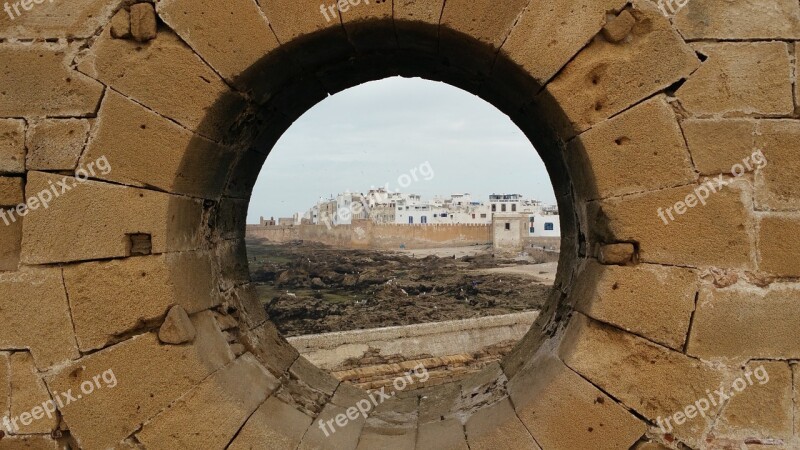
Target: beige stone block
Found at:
761, 404
222, 404
369, 25
745, 322
778, 182
709, 19
313, 376
777, 254
30, 443
439, 402
37, 81
248, 305
417, 23
717, 145
145, 149
640, 150
619, 254
652, 380
619, 27
498, 426
562, 410
12, 146
11, 191
56, 144
10, 241
177, 328
99, 217
271, 348
35, 315
5, 385
121, 25
274, 422
135, 292
143, 22
596, 85
373, 439
740, 78
58, 19
442, 435
655, 302
717, 234
150, 377
321, 437
27, 397
181, 86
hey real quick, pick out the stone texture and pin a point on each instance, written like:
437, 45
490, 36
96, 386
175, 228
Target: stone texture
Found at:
759, 408
313, 376
595, 84
778, 255
726, 321
30, 443
98, 216
12, 146
417, 24
717, 145
11, 191
177, 328
143, 22
10, 241
29, 392
271, 348
5, 385
619, 27
223, 402
37, 81
616, 254
34, 300
498, 426
121, 25
442, 435
748, 78
640, 150
156, 151
345, 438
369, 25
650, 301
138, 395
562, 410
708, 19
50, 20
274, 422
56, 144
652, 380
778, 186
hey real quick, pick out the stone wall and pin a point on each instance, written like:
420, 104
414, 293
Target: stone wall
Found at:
660, 298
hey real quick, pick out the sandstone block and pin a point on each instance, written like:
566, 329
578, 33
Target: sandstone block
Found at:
56, 144
10, 242
34, 300
727, 320
498, 426
442, 435
29, 392
619, 27
640, 150
77, 19
36, 77
651, 301
707, 19
748, 78
223, 402
562, 410
100, 216
616, 254
245, 299
271, 348
11, 191
156, 151
370, 439
5, 384
12, 146
231, 217
138, 395
345, 438
143, 22
274, 422
313, 376
778, 182
30, 443
182, 87
369, 25
717, 145
777, 253
595, 85
121, 25
417, 24
177, 328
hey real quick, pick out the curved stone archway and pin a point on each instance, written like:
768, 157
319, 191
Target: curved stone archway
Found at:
135, 281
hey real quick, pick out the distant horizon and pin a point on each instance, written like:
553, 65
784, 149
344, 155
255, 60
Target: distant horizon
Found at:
384, 132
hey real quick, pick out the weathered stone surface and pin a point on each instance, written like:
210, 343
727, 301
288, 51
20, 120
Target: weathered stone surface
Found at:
274, 422
10, 241
708, 19
184, 88
778, 187
156, 151
245, 299
56, 144
99, 216
5, 385
651, 301
640, 150
619, 27
417, 24
143, 22
177, 328
12, 146
595, 85
121, 24
313, 376
223, 402
54, 19
271, 348
717, 145
371, 438
562, 410
369, 25
34, 299
748, 78
498, 426
652, 380
30, 443
761, 407
778, 255
716, 234
442, 435
727, 320
11, 191
37, 81
616, 254
29, 392
345, 438
138, 395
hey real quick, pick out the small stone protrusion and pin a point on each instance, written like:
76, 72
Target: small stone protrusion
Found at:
238, 349
121, 25
619, 27
143, 22
617, 254
177, 327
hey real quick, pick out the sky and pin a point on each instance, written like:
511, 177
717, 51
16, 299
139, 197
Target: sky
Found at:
418, 136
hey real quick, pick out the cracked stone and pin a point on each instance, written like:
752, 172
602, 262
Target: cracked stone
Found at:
143, 22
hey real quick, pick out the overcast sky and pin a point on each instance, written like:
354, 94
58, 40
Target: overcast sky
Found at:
377, 132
